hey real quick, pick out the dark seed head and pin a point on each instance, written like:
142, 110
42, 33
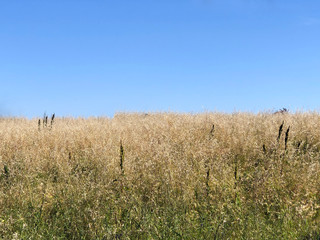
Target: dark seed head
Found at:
286, 138
280, 131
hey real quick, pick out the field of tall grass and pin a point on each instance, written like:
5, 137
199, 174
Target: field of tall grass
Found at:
161, 176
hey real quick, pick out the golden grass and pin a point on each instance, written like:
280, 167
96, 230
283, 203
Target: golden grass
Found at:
176, 178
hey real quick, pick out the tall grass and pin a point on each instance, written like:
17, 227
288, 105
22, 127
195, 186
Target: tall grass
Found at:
179, 176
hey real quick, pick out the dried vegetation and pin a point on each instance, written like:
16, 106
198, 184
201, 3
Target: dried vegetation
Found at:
161, 176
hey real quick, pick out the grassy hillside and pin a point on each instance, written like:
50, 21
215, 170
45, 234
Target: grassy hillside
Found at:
161, 176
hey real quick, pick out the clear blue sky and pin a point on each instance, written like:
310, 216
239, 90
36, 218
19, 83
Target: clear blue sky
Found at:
98, 57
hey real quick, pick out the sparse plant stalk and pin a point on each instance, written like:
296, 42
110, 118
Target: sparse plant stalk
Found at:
121, 158
52, 120
286, 138
283, 156
212, 131
235, 173
39, 125
207, 178
45, 120
280, 131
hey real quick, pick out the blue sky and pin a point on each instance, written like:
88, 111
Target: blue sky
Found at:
98, 57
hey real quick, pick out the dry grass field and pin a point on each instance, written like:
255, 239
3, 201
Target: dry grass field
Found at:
161, 176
